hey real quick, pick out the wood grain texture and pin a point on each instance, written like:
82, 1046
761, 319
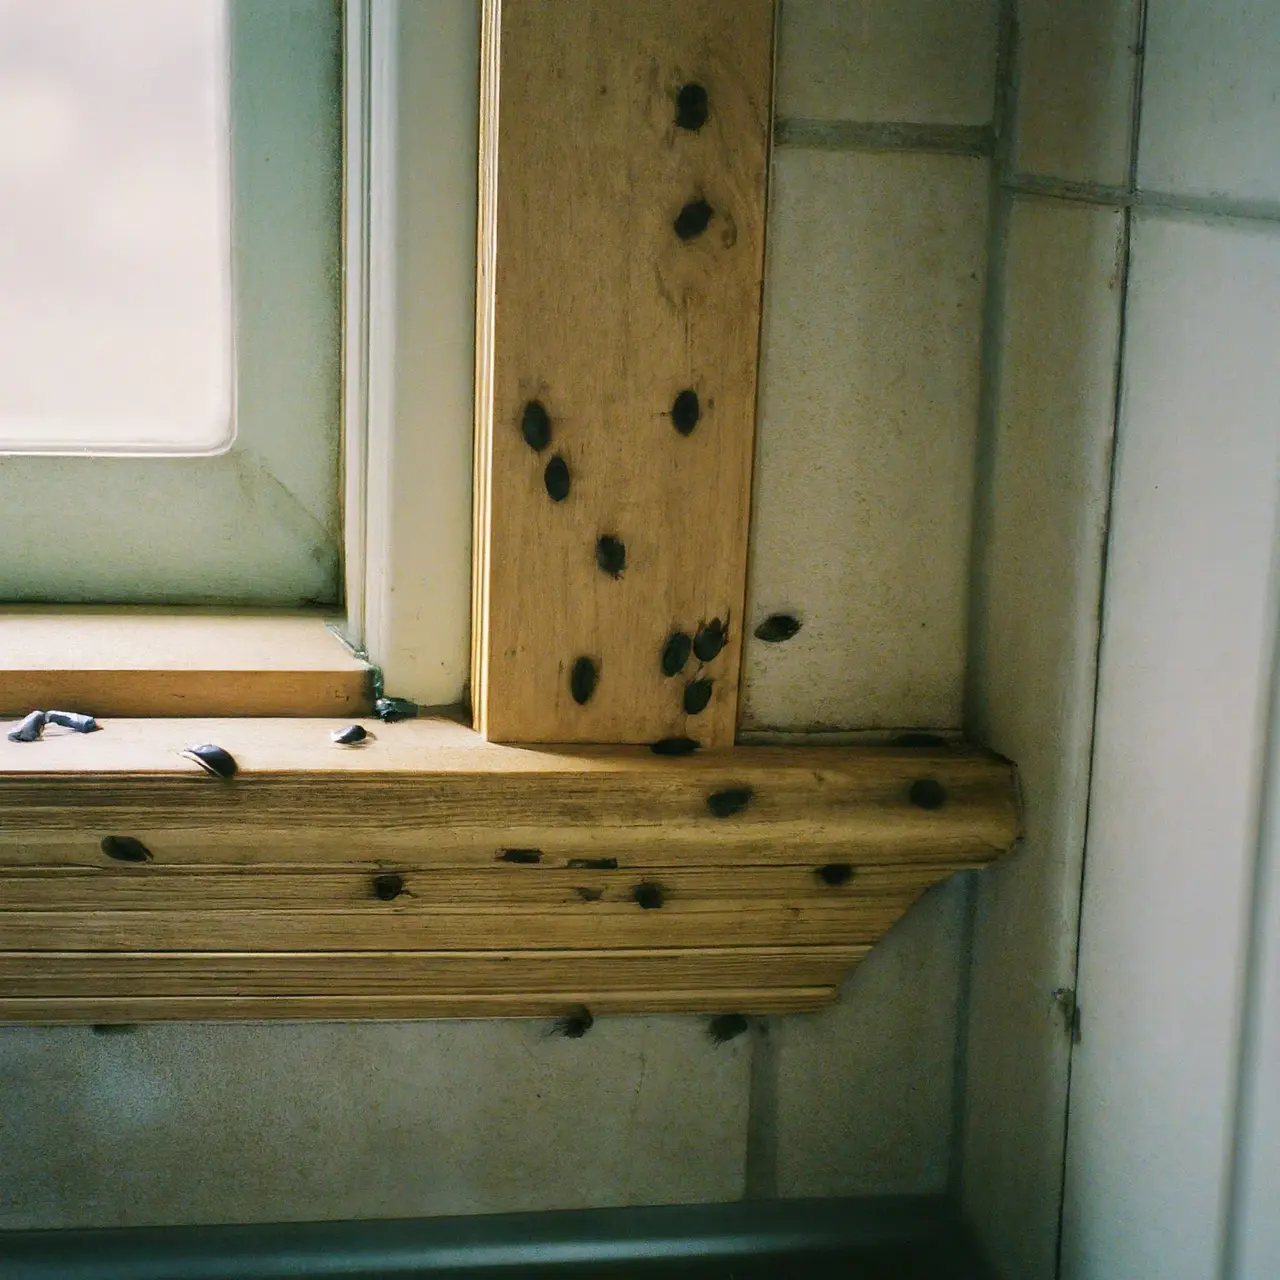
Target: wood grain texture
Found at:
260, 896
192, 662
74, 974
215, 890
434, 794
592, 305
525, 1004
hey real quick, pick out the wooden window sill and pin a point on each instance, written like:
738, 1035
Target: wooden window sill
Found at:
164, 662
518, 876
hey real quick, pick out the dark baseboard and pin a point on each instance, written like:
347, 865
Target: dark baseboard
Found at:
875, 1238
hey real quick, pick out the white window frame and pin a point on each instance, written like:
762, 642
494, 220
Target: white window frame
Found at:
411, 86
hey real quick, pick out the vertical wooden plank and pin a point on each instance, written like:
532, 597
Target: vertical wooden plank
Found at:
603, 298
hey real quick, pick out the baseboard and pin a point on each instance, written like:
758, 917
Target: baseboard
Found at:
862, 1239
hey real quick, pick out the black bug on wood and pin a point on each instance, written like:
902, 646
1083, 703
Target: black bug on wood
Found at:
685, 412
777, 627
352, 736
582, 681
589, 895
675, 653
388, 887
125, 849
728, 1026
535, 425
524, 857
556, 479
921, 740
697, 693
389, 710
710, 640
215, 761
76, 721
835, 873
692, 107
574, 1025
592, 864
724, 804
648, 896
29, 728
675, 746
693, 219
927, 793
611, 555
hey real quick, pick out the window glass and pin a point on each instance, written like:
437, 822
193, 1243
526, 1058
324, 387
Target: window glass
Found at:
115, 226
178, 166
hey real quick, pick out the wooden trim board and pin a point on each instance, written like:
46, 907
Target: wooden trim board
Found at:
192, 662
431, 873
622, 213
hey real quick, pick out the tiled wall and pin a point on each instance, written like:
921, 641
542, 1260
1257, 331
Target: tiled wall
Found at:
1116, 258
875, 281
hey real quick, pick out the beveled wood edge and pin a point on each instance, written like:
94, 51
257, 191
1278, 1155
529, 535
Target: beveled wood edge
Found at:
118, 1010
142, 661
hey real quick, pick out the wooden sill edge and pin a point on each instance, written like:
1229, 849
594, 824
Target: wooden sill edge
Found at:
145, 662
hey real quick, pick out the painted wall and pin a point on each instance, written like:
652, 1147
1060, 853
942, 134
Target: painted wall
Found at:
869, 413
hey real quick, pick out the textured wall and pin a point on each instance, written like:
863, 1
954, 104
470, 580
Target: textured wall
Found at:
869, 398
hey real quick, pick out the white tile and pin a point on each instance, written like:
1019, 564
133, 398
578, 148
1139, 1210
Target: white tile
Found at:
1187, 629
864, 457
200, 1123
865, 1087
1211, 99
1037, 585
931, 61
1076, 65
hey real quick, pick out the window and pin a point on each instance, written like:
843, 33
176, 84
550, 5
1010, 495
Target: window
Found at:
170, 230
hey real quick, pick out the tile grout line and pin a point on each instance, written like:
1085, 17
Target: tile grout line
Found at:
973, 140
982, 514
760, 1174
1135, 199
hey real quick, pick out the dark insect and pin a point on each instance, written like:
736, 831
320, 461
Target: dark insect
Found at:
777, 627
728, 1026
125, 849
697, 693
710, 640
114, 1028
72, 720
835, 873
674, 746
29, 728
648, 896
213, 760
556, 478
574, 1025
724, 804
693, 219
389, 710
351, 736
691, 107
927, 793
592, 864
582, 681
388, 887
525, 857
919, 740
611, 555
675, 653
685, 412
535, 425
589, 895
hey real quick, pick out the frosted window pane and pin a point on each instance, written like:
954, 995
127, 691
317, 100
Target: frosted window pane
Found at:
115, 227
